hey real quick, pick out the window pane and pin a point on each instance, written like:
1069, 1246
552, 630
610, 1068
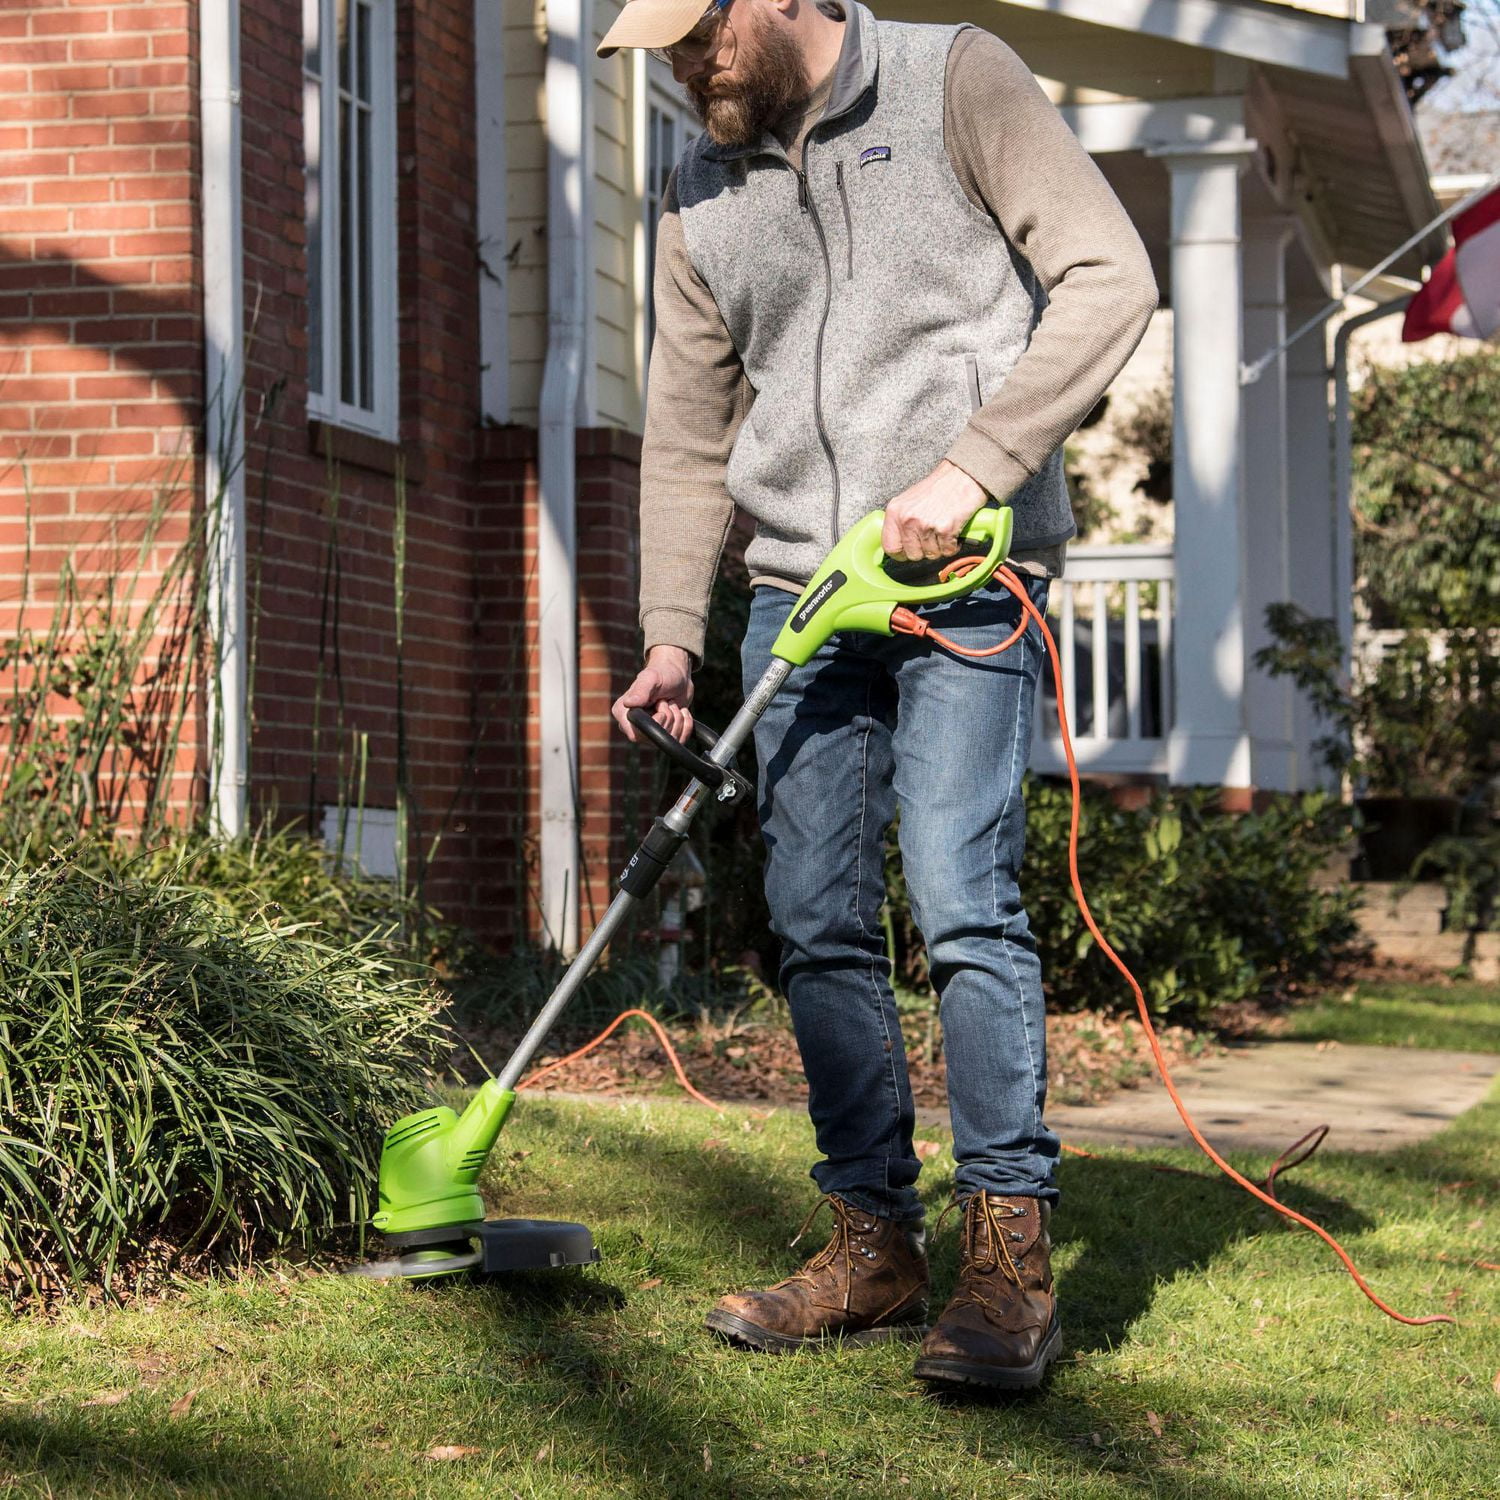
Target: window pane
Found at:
362, 19
312, 40
366, 234
312, 137
348, 293
311, 107
341, 8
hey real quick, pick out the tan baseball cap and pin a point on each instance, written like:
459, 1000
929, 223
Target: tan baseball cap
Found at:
652, 23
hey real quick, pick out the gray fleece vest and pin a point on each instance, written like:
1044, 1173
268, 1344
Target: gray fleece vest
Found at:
872, 304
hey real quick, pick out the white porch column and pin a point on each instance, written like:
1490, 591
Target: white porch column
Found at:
1310, 517
1208, 742
1264, 523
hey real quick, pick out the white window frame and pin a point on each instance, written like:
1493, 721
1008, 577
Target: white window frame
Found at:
658, 94
323, 111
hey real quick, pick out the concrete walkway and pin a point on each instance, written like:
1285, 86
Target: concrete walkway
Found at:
1260, 1096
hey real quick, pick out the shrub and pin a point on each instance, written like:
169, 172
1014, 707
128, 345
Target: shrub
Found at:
1206, 907
1419, 720
1427, 494
180, 1081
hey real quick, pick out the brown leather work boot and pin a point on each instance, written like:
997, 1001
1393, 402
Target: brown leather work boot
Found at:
867, 1284
1000, 1329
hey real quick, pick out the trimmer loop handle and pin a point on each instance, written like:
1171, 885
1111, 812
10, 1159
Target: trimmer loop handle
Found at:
718, 779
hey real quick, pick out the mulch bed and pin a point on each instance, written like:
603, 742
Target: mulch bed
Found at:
1090, 1057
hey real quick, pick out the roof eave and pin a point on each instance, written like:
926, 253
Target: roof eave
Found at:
1374, 70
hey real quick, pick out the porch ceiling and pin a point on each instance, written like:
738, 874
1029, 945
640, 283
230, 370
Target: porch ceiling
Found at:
1335, 114
1359, 165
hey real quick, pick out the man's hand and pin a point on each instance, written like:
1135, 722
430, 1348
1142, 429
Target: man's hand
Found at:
665, 687
925, 521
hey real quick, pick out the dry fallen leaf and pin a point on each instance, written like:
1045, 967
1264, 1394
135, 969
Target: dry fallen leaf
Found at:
543, 1453
708, 1461
1154, 1422
926, 1149
107, 1398
446, 1451
646, 1286
183, 1404
1497, 1385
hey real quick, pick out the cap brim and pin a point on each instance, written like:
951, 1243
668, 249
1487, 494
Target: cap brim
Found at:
651, 23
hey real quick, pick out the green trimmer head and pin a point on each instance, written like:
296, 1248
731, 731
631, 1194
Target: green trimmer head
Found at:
431, 1212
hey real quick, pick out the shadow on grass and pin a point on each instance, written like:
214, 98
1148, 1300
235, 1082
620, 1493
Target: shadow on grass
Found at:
1138, 1226
79, 1453
736, 1201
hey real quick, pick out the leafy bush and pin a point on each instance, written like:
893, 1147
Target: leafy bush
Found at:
1427, 495
94, 700
1206, 907
179, 1080
283, 875
1420, 720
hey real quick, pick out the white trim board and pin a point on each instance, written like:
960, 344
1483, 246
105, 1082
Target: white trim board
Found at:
490, 189
1241, 28
1103, 129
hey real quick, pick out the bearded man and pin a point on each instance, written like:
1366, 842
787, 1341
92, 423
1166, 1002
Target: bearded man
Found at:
887, 276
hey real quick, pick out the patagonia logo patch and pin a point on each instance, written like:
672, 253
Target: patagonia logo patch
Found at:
875, 153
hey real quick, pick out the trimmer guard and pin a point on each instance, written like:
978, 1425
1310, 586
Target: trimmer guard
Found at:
503, 1246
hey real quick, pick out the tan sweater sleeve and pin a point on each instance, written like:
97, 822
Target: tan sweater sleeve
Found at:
1016, 158
697, 395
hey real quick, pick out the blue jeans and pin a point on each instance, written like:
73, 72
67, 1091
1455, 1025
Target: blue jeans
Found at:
869, 725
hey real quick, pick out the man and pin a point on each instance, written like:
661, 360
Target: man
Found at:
887, 276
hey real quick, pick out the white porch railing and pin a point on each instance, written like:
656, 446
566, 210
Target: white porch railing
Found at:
1112, 618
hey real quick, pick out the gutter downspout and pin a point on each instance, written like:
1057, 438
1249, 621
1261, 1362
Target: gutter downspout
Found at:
1343, 449
224, 404
569, 86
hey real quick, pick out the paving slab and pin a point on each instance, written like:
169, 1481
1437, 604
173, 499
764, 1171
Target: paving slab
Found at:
1260, 1096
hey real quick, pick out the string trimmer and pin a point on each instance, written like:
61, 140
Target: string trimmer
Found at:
430, 1208
431, 1212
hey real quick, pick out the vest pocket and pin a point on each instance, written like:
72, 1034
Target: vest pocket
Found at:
838, 173
971, 378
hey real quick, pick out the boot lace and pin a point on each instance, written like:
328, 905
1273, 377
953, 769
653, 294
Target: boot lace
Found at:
985, 1246
838, 1254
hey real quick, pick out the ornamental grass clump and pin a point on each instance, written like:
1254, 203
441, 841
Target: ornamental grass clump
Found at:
182, 1085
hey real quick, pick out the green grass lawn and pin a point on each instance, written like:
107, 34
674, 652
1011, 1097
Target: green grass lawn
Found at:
1464, 1017
1210, 1352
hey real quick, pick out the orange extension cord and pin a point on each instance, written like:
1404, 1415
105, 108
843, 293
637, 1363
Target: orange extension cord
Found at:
907, 623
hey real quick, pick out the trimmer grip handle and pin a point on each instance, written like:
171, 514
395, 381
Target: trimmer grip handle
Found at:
925, 572
859, 588
706, 771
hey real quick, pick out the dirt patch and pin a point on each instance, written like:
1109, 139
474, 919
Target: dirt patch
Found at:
1090, 1057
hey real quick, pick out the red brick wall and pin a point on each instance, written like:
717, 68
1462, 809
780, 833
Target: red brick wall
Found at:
100, 404
326, 647
614, 778
100, 357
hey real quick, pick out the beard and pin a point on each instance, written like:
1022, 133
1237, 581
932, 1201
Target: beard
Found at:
772, 77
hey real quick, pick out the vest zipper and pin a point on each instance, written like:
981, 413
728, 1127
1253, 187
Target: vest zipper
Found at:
838, 173
818, 359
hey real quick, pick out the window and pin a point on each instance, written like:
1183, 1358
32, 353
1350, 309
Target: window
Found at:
349, 124
670, 125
